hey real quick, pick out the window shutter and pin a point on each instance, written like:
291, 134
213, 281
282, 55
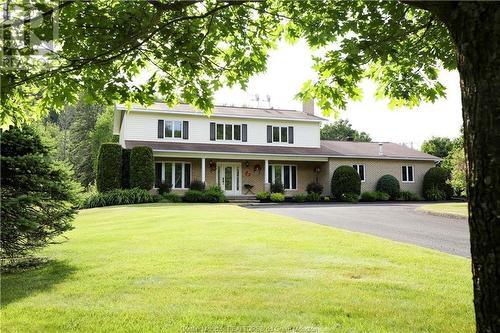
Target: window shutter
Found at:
244, 132
160, 129
290, 134
185, 130
212, 131
269, 134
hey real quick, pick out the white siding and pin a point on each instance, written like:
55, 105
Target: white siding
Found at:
144, 126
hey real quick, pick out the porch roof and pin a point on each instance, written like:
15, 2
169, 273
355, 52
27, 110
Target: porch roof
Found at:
339, 149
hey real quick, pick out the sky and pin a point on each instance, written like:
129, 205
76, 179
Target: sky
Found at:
289, 66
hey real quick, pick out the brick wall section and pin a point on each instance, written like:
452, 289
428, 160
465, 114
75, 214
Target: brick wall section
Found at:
374, 169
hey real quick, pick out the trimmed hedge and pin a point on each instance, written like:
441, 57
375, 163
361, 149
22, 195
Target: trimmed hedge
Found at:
436, 179
109, 167
300, 197
409, 196
263, 196
277, 187
117, 197
197, 185
314, 188
345, 183
374, 196
142, 168
193, 196
126, 168
390, 185
277, 197
213, 194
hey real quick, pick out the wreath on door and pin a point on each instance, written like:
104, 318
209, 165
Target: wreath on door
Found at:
248, 173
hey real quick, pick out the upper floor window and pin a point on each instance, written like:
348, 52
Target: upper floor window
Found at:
360, 169
407, 173
282, 134
228, 132
173, 129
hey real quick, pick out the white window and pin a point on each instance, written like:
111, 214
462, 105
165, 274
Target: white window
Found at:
407, 173
176, 173
280, 134
285, 174
228, 132
173, 129
360, 169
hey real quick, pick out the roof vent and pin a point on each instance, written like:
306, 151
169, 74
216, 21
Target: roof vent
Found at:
380, 149
308, 106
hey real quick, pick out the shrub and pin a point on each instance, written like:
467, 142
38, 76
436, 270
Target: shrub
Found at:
214, 194
263, 196
118, 197
382, 196
369, 196
277, 197
314, 197
350, 197
38, 195
434, 194
171, 197
197, 185
109, 167
300, 197
409, 196
437, 178
390, 185
277, 187
345, 180
126, 168
142, 169
314, 188
194, 196
164, 188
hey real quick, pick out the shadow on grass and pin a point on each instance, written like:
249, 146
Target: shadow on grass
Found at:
16, 286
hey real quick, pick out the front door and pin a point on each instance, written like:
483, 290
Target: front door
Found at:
229, 178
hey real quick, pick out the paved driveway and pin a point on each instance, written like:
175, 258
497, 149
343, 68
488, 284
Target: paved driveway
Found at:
399, 222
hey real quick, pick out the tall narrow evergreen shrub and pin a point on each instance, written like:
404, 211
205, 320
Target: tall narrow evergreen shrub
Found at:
109, 167
142, 168
126, 168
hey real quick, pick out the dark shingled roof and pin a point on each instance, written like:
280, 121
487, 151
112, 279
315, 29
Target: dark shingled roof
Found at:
228, 111
327, 149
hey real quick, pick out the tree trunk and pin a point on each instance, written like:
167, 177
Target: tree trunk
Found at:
475, 28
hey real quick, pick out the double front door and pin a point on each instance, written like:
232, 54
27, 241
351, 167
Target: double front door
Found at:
229, 178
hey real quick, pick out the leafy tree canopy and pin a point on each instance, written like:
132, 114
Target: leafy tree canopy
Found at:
438, 146
190, 49
341, 130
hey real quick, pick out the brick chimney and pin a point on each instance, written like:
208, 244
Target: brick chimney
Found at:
308, 106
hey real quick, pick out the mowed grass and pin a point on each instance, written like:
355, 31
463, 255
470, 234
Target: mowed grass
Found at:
455, 209
202, 268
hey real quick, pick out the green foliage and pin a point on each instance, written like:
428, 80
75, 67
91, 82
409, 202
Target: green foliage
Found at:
459, 172
390, 185
277, 197
194, 196
164, 188
214, 194
438, 146
142, 168
341, 130
314, 188
349, 197
171, 197
117, 197
300, 197
277, 187
109, 167
409, 196
374, 196
434, 194
314, 197
345, 180
437, 179
38, 195
263, 196
126, 168
197, 185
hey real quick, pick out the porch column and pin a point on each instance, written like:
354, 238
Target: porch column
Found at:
266, 176
203, 169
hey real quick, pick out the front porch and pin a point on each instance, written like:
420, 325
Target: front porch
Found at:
240, 177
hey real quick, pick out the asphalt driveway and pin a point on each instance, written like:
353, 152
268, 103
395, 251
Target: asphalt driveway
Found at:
399, 222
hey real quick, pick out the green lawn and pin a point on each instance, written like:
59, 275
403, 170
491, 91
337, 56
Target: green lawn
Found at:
457, 209
173, 268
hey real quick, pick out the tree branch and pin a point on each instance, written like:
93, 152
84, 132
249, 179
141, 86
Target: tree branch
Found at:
5, 25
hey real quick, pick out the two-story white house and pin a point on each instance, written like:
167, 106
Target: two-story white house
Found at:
244, 149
